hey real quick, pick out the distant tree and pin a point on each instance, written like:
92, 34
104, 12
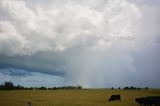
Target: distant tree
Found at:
1, 87
119, 87
139, 88
112, 88
146, 88
125, 88
132, 88
19, 87
79, 87
42, 88
30, 88
54, 88
8, 85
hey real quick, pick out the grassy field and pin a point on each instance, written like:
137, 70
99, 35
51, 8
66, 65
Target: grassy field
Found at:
71, 97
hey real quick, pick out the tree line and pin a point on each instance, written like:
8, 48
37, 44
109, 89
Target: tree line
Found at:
8, 85
131, 88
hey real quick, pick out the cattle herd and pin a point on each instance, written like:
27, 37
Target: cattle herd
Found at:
143, 101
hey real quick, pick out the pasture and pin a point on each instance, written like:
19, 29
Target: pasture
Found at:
91, 97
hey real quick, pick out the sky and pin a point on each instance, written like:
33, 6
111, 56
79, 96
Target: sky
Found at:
93, 43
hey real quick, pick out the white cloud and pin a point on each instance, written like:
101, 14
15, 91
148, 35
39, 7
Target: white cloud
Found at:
59, 26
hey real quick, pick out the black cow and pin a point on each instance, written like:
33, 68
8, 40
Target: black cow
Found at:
149, 100
115, 97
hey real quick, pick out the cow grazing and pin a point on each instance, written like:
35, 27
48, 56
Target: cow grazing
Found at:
115, 97
149, 101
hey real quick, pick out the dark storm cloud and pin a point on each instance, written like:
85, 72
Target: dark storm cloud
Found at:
40, 62
14, 72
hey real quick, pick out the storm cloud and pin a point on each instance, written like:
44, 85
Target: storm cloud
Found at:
94, 43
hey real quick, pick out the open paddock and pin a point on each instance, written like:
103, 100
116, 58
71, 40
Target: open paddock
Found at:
90, 97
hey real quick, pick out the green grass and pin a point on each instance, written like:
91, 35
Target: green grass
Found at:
71, 97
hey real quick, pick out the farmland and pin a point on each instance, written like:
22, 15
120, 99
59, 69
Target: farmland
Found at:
90, 97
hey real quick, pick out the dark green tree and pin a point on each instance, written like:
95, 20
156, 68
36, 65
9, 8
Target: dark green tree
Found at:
8, 85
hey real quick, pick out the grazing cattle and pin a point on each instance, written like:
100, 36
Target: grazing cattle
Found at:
115, 97
149, 100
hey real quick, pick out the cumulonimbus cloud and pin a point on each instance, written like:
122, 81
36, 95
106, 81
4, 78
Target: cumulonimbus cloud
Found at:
61, 25
94, 42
